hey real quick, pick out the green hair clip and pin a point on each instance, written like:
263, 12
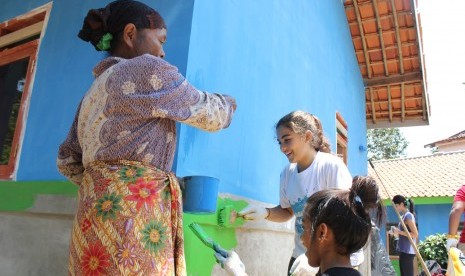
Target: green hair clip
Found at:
104, 42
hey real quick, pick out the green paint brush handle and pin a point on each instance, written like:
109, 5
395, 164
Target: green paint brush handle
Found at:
207, 240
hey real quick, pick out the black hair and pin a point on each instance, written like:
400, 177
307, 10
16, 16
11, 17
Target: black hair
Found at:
301, 121
398, 199
114, 17
346, 213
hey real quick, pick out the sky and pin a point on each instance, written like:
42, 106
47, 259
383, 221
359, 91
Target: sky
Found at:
443, 25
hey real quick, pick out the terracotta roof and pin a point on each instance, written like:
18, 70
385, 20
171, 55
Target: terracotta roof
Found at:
387, 40
455, 137
435, 175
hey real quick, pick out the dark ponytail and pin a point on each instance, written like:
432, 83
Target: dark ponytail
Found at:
367, 190
411, 206
346, 213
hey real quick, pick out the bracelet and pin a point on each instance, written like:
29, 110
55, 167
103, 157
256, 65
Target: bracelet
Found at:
450, 236
268, 213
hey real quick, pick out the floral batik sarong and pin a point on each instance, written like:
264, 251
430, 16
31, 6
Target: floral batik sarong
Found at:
128, 222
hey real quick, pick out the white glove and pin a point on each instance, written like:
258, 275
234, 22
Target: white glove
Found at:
300, 267
451, 242
232, 264
254, 213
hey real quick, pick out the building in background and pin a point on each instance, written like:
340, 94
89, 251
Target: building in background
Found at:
455, 142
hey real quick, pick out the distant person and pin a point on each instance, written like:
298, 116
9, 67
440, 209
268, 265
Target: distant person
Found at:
458, 207
336, 222
405, 207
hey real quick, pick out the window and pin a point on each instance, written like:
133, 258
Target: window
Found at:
19, 41
342, 137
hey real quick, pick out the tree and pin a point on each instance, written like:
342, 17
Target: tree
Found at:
386, 143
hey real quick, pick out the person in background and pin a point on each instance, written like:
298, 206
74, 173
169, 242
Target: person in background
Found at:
121, 145
458, 207
336, 222
405, 207
311, 168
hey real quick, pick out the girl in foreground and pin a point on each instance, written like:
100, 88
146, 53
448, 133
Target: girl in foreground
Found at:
337, 223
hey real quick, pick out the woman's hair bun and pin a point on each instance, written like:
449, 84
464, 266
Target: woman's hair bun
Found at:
94, 26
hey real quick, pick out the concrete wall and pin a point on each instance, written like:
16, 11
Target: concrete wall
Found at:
36, 241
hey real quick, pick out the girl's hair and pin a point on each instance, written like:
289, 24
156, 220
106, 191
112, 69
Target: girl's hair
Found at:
300, 122
398, 199
114, 17
346, 213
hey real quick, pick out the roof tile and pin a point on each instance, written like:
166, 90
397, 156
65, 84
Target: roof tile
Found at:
441, 174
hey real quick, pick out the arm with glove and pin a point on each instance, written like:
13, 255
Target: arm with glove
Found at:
276, 214
454, 220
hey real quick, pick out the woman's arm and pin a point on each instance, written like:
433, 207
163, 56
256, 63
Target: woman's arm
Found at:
154, 89
454, 217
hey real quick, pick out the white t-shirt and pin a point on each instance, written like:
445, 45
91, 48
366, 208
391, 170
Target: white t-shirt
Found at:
327, 171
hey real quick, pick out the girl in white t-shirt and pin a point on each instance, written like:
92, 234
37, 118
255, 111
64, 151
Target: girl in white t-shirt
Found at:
312, 168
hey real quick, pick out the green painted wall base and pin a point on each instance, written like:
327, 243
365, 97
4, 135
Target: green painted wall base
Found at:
20, 195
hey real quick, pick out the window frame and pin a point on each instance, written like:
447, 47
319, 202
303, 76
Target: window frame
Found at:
27, 50
30, 24
342, 138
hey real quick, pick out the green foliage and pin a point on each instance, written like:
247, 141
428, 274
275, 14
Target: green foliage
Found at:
8, 142
386, 143
434, 248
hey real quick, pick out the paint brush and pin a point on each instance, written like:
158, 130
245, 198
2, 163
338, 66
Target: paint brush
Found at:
227, 216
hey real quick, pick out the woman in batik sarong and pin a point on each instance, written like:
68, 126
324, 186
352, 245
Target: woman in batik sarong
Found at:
121, 145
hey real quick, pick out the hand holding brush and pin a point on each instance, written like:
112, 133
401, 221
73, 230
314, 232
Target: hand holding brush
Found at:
229, 259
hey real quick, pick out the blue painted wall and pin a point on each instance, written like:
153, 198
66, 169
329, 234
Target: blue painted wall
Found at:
431, 219
64, 73
273, 57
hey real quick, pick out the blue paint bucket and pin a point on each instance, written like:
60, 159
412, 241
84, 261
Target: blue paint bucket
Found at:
200, 194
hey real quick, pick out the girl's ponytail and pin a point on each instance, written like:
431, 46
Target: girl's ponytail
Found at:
410, 206
364, 195
321, 143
